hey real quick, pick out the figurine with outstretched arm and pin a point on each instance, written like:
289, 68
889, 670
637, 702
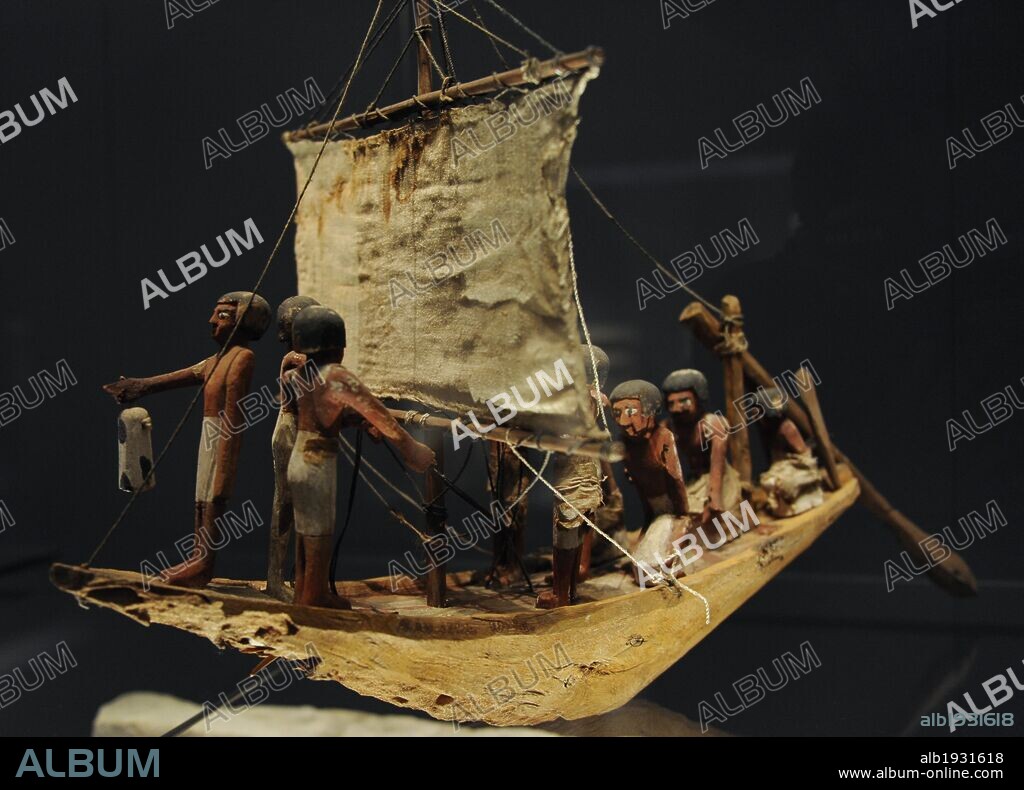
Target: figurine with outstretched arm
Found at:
225, 382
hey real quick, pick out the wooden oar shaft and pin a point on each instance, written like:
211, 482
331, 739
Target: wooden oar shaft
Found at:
825, 452
952, 574
529, 73
592, 448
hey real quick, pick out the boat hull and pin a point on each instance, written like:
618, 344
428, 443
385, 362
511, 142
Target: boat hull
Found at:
488, 657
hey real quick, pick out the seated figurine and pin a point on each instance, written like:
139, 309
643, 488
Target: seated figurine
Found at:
702, 441
652, 465
793, 482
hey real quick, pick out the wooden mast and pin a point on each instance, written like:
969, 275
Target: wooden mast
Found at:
436, 514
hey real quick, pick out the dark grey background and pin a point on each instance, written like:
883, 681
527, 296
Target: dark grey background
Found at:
114, 188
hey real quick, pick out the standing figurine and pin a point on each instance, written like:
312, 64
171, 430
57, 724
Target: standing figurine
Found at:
578, 479
506, 480
282, 518
225, 383
332, 399
793, 482
609, 514
702, 440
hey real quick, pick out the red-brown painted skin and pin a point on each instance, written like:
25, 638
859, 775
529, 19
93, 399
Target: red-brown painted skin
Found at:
339, 400
225, 385
652, 462
688, 422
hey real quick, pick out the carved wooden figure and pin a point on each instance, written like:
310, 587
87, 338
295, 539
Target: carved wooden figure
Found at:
282, 517
332, 399
702, 441
652, 465
507, 479
225, 383
652, 461
578, 479
793, 482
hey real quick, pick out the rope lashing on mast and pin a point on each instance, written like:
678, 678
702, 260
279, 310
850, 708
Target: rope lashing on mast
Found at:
733, 341
254, 291
668, 578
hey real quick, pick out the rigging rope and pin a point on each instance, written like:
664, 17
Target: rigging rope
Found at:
348, 513
537, 36
490, 41
255, 290
483, 30
418, 32
714, 309
450, 61
392, 511
387, 80
667, 578
586, 332
318, 113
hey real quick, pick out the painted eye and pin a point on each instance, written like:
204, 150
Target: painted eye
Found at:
222, 314
632, 411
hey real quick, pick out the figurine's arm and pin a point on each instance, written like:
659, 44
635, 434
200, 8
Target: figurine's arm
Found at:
237, 381
792, 436
344, 389
126, 390
609, 484
291, 361
675, 484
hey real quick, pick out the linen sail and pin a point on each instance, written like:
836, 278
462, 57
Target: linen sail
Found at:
444, 244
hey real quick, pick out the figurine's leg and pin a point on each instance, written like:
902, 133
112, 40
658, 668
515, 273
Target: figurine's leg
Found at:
312, 476
316, 589
564, 566
282, 517
506, 481
300, 566
584, 553
281, 528
197, 570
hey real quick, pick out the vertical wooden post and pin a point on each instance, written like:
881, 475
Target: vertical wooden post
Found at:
731, 350
436, 518
809, 395
421, 18
436, 582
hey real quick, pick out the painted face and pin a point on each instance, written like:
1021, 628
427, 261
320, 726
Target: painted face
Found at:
682, 405
222, 321
629, 416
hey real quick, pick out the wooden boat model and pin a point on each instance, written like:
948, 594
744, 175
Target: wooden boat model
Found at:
488, 656
449, 645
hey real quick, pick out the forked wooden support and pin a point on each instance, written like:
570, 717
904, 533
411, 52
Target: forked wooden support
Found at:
952, 573
809, 395
733, 343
